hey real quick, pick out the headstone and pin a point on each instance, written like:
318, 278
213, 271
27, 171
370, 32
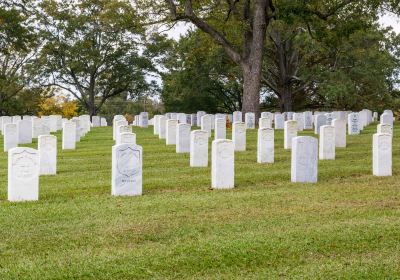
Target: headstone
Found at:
289, 116
16, 119
193, 119
237, 117
299, 118
181, 117
385, 129
386, 119
220, 128
183, 138
264, 123
96, 121
122, 129
222, 164
170, 132
46, 124
340, 132
304, 162
69, 136
127, 138
5, 120
78, 129
290, 131
329, 118
327, 142
155, 124
23, 174
24, 128
382, 154
47, 147
116, 125
53, 123
126, 170
308, 120
250, 120
279, 121
353, 124
143, 119
10, 136
103, 122
320, 120
162, 127
115, 119
199, 148
199, 115
265, 145
375, 116
206, 124
239, 136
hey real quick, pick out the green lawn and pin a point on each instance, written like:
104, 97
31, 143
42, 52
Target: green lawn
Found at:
347, 226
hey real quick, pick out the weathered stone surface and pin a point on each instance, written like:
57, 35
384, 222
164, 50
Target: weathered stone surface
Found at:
327, 142
69, 136
199, 148
170, 132
126, 170
222, 164
239, 136
47, 147
220, 128
23, 174
183, 138
265, 145
340, 132
382, 154
304, 159
290, 131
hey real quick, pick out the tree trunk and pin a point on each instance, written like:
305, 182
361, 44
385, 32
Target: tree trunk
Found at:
251, 90
285, 100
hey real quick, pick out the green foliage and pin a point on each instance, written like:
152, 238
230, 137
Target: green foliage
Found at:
199, 76
92, 50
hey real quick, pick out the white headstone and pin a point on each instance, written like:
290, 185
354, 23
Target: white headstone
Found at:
206, 124
320, 120
37, 127
250, 120
222, 164
264, 123
237, 117
156, 124
170, 132
304, 162
10, 136
385, 129
265, 145
5, 120
220, 128
126, 170
239, 136
299, 118
290, 131
340, 132
353, 124
127, 138
96, 120
199, 115
327, 142
382, 155
143, 119
69, 136
308, 120
47, 147
183, 138
23, 174
386, 119
122, 129
162, 127
279, 121
199, 148
24, 131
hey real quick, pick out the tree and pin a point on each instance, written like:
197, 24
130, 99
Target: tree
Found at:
92, 50
199, 76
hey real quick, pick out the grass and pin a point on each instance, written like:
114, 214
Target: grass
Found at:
347, 226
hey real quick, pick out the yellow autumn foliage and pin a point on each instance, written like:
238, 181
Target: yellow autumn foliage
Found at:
58, 105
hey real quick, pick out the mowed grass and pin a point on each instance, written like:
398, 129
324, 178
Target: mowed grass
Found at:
347, 226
